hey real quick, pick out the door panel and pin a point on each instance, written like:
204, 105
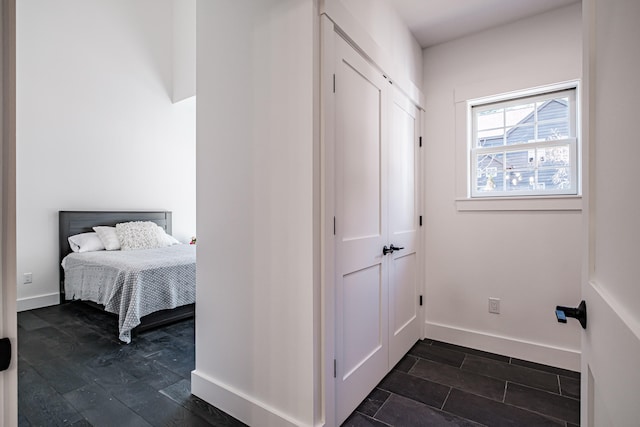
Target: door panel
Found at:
403, 289
362, 324
8, 318
361, 154
361, 273
611, 342
403, 228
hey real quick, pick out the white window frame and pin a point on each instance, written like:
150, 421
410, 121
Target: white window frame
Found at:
539, 94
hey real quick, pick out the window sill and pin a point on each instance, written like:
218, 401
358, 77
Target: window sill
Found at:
544, 203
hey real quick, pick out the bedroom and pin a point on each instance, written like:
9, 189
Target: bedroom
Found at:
105, 121
97, 124
274, 322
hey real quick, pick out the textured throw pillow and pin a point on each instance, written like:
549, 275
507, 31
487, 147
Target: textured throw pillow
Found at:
138, 235
108, 237
86, 242
166, 239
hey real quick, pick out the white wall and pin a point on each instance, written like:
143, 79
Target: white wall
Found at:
256, 341
96, 128
530, 260
184, 49
377, 29
381, 21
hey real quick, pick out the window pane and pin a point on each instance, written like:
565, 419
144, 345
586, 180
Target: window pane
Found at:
553, 130
520, 180
553, 156
538, 128
553, 109
519, 114
490, 138
555, 178
519, 160
520, 134
490, 119
490, 170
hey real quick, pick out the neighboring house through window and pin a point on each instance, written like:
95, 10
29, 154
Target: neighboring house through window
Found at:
524, 146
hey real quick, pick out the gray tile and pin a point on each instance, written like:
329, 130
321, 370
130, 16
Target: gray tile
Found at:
437, 354
406, 363
570, 387
39, 403
23, 421
512, 373
82, 423
181, 394
464, 380
372, 403
134, 395
490, 412
546, 368
184, 330
30, 322
360, 420
564, 408
415, 388
472, 351
109, 377
60, 375
43, 344
151, 371
102, 409
400, 411
164, 412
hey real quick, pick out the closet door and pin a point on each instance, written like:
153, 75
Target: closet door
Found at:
404, 168
362, 336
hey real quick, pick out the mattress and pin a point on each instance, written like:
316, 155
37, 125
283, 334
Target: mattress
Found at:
133, 284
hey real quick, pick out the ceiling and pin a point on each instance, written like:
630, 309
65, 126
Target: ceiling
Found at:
438, 21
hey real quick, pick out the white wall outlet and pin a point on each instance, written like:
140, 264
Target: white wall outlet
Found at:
28, 278
494, 305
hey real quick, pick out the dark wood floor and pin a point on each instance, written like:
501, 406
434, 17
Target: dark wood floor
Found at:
74, 371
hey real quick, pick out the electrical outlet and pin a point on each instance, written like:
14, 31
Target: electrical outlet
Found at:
28, 278
494, 305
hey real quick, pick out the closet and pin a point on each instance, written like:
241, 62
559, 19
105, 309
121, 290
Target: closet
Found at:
372, 130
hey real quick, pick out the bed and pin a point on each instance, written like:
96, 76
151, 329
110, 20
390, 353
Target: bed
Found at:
145, 288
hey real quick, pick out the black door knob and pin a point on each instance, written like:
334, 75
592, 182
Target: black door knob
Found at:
579, 313
5, 354
393, 248
386, 250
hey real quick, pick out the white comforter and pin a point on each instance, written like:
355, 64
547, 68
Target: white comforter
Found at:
134, 283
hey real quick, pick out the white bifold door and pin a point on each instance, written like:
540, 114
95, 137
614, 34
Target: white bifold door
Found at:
376, 227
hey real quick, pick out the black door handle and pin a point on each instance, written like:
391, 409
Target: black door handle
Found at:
5, 354
389, 250
579, 313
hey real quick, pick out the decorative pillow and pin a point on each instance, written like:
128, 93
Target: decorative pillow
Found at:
108, 237
138, 235
166, 239
85, 242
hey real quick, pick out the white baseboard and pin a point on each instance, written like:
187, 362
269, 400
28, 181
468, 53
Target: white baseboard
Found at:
39, 301
534, 352
238, 404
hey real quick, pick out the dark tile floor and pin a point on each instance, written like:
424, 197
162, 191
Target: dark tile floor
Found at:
74, 371
440, 384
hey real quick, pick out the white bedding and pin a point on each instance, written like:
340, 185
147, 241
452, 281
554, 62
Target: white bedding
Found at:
134, 283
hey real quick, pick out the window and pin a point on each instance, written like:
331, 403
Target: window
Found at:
524, 146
